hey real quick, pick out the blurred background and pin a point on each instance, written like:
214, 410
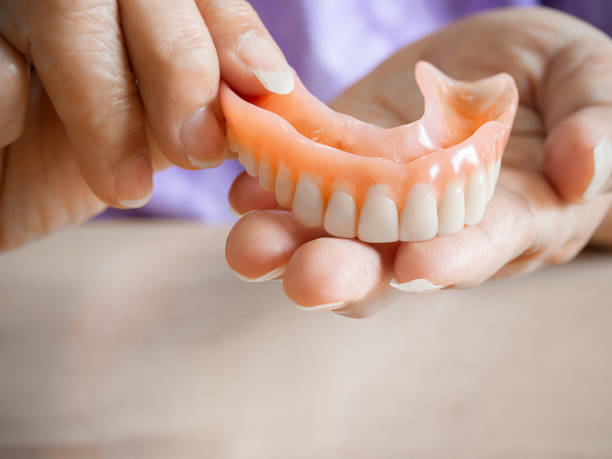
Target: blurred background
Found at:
131, 337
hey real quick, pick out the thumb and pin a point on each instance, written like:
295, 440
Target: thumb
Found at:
577, 105
249, 59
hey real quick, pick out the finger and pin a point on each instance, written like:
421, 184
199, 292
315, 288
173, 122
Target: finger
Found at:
175, 61
576, 100
320, 273
246, 194
250, 60
260, 245
79, 55
524, 227
340, 275
14, 82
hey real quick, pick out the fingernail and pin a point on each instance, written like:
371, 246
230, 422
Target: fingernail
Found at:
415, 286
268, 66
134, 176
602, 170
203, 139
135, 203
266, 277
321, 307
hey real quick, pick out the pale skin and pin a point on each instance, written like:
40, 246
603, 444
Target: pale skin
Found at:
112, 84
95, 95
538, 214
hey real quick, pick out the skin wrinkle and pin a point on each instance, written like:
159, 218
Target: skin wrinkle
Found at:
529, 224
120, 97
78, 48
586, 58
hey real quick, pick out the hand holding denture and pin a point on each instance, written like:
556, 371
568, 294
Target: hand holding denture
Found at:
406, 183
97, 95
414, 184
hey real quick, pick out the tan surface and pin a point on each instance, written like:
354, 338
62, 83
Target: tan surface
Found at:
137, 341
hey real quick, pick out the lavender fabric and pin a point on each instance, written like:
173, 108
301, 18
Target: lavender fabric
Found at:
331, 44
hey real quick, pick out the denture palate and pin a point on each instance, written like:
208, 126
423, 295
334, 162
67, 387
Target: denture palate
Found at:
409, 183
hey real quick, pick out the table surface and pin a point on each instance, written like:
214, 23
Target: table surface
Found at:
135, 340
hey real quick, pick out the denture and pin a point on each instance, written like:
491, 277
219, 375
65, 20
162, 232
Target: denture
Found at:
409, 183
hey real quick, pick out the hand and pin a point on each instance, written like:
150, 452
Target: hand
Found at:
559, 152
97, 94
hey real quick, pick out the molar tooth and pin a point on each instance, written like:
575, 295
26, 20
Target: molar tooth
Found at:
248, 161
307, 203
341, 214
475, 198
451, 211
419, 220
491, 172
266, 175
378, 221
284, 187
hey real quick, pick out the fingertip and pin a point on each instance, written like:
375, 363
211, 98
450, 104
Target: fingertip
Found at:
246, 194
250, 61
134, 183
602, 170
261, 242
333, 271
203, 139
568, 159
427, 266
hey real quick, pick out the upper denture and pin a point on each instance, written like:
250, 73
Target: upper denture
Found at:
408, 183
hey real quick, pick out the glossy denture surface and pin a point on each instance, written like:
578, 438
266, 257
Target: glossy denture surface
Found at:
412, 182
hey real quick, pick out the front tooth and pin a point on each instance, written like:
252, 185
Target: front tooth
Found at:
248, 161
284, 187
378, 220
451, 211
308, 203
491, 172
419, 220
340, 215
232, 142
266, 175
475, 198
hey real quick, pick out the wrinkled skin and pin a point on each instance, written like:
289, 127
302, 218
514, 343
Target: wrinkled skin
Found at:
95, 95
562, 67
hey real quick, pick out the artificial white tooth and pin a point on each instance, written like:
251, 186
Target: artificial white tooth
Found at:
232, 142
341, 214
378, 221
491, 171
284, 187
248, 161
266, 175
497, 169
475, 198
419, 220
451, 210
307, 203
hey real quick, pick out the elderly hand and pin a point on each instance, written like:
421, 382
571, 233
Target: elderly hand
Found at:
97, 94
549, 200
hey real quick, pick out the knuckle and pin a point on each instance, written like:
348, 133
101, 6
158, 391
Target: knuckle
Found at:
190, 57
238, 12
240, 8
